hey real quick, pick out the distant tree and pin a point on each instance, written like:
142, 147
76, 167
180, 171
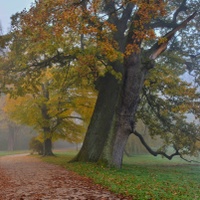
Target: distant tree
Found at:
36, 146
53, 106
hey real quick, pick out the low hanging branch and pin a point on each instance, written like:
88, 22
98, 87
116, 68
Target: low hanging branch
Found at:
156, 153
151, 151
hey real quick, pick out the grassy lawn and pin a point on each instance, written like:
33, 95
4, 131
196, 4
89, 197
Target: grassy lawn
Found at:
5, 153
142, 177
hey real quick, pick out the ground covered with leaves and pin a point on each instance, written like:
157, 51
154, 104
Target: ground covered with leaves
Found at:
25, 177
142, 177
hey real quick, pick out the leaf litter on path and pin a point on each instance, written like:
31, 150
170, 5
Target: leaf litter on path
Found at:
24, 177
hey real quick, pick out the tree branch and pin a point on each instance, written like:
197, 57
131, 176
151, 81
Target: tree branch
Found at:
156, 107
73, 117
58, 58
156, 153
160, 47
181, 8
195, 161
151, 151
126, 16
159, 23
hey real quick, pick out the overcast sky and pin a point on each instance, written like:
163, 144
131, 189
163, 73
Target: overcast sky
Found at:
10, 7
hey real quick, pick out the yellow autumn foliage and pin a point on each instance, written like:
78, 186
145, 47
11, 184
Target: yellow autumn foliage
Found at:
69, 106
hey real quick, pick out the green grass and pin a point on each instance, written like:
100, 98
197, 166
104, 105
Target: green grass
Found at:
142, 177
6, 153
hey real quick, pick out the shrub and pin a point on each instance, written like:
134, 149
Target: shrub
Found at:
36, 146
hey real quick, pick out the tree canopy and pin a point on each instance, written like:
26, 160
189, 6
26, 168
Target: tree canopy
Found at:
57, 105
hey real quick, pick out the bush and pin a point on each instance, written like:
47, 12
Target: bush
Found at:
36, 146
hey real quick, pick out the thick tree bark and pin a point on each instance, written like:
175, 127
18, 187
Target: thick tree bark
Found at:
47, 145
124, 121
47, 148
101, 120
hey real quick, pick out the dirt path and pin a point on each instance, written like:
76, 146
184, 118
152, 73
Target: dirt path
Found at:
23, 177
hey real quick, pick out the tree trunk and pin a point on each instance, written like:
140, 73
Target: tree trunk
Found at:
11, 140
47, 145
47, 150
11, 136
114, 116
101, 120
113, 150
124, 121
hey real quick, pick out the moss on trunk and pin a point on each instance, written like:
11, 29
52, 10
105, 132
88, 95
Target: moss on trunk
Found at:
101, 121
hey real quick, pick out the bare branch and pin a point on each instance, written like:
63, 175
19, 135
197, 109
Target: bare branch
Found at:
195, 161
158, 48
159, 23
151, 151
156, 153
73, 117
181, 8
